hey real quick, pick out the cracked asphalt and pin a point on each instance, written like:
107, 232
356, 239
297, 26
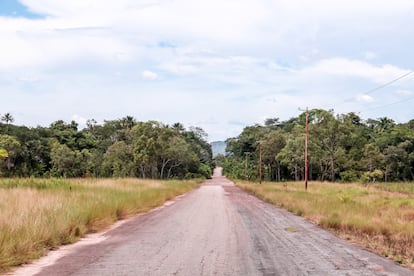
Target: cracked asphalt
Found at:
218, 229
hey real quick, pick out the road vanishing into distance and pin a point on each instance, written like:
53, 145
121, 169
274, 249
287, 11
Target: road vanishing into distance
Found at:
217, 229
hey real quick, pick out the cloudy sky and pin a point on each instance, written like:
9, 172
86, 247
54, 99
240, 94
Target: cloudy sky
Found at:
217, 64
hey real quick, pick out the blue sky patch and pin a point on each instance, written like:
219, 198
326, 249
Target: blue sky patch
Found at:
13, 8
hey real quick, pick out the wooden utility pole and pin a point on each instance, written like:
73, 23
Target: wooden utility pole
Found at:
260, 162
306, 149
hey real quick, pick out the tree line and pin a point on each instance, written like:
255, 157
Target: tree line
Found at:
117, 148
342, 147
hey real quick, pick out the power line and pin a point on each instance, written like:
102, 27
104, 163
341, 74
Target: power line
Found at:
389, 104
388, 83
384, 85
378, 87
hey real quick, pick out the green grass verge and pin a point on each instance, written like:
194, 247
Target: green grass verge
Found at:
37, 215
379, 217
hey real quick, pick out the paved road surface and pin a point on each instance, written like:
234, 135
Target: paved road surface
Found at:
220, 230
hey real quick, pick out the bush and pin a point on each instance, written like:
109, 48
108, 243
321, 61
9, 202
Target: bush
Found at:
205, 171
373, 176
349, 176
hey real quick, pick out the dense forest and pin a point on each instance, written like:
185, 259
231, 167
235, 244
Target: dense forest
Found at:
342, 147
116, 148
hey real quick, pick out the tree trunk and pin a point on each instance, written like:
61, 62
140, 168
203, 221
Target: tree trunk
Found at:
170, 169
270, 172
164, 163
278, 172
324, 171
310, 173
154, 170
296, 173
142, 171
9, 164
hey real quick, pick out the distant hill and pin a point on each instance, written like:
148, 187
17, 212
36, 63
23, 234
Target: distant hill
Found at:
218, 147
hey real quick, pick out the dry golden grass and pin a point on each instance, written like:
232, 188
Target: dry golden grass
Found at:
377, 217
37, 214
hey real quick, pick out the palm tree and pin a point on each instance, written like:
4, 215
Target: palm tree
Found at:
7, 118
127, 122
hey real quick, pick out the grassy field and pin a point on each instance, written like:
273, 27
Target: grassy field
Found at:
37, 215
379, 217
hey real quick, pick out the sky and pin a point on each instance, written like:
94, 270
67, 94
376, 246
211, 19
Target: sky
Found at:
219, 65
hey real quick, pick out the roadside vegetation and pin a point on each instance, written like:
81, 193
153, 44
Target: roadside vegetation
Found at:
379, 217
373, 159
342, 147
37, 215
49, 209
116, 148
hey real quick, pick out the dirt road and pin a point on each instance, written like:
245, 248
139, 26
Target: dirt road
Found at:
220, 230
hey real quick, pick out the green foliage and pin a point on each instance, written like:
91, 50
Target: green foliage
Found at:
293, 154
206, 171
376, 175
117, 148
341, 147
12, 147
118, 160
349, 176
3, 153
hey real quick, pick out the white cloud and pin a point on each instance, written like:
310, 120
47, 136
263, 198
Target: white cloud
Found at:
370, 55
28, 78
267, 57
49, 43
80, 120
355, 68
363, 98
149, 75
404, 92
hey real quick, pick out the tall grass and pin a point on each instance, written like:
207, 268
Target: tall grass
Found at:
378, 217
40, 214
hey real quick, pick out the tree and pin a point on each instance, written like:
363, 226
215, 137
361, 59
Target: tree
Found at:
145, 136
197, 141
372, 157
8, 119
3, 155
63, 150
272, 122
63, 160
178, 127
177, 154
397, 160
272, 145
127, 122
329, 134
12, 147
119, 160
293, 155
341, 145
65, 133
